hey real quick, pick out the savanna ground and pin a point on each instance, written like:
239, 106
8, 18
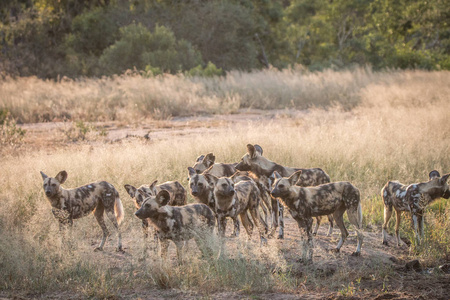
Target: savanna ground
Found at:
359, 126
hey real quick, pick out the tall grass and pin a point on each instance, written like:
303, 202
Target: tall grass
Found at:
397, 129
133, 97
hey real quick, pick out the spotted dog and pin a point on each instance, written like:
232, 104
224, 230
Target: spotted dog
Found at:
70, 204
177, 198
207, 161
307, 202
265, 203
177, 223
412, 198
235, 199
262, 167
201, 188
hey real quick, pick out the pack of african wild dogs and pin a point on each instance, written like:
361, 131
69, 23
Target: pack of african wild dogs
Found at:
253, 192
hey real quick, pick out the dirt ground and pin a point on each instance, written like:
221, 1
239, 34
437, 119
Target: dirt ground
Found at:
404, 282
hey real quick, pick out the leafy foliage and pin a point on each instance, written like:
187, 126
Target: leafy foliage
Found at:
49, 38
139, 48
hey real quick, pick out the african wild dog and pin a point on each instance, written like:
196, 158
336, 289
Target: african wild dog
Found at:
330, 198
70, 204
233, 200
177, 223
262, 167
264, 191
202, 189
177, 198
412, 198
217, 169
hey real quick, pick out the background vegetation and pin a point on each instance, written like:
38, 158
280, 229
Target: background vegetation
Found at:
51, 38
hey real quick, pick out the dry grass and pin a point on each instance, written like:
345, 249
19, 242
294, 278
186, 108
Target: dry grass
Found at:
129, 98
397, 130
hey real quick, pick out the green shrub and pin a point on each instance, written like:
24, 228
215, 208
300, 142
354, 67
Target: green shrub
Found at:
209, 71
142, 49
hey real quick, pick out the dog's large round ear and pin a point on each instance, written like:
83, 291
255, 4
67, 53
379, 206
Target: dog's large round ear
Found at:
444, 179
152, 186
200, 158
61, 177
163, 197
258, 149
191, 171
251, 151
209, 160
434, 174
43, 175
275, 175
212, 180
293, 179
131, 190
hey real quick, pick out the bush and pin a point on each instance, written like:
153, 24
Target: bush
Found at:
139, 48
10, 134
209, 71
91, 33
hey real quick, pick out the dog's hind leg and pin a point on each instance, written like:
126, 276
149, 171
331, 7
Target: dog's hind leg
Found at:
398, 214
387, 217
338, 217
318, 218
113, 219
355, 217
330, 228
98, 213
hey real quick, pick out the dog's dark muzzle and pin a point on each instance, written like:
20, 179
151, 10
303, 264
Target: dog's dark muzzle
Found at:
242, 167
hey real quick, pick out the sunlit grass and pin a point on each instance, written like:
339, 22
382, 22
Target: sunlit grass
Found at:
396, 130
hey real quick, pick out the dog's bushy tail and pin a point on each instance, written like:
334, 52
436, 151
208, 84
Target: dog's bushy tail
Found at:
118, 210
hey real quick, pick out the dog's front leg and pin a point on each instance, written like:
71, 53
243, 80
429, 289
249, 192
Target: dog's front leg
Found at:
415, 226
164, 248
179, 245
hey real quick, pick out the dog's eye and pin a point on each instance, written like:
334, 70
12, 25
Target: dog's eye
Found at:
224, 185
200, 184
281, 186
232, 185
53, 184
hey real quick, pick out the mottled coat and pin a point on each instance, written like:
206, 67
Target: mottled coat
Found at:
97, 197
177, 198
207, 161
304, 203
262, 167
412, 198
236, 199
201, 189
177, 223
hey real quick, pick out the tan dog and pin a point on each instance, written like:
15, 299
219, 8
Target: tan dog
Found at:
177, 223
235, 199
177, 198
70, 204
255, 162
304, 203
412, 198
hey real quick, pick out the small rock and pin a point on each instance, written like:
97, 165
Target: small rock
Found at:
413, 265
445, 268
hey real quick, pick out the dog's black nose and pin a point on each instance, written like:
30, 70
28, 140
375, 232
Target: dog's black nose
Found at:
48, 193
194, 193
